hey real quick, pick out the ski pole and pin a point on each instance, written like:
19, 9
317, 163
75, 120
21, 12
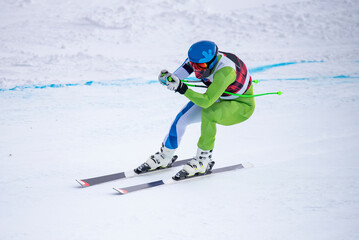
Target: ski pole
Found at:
234, 94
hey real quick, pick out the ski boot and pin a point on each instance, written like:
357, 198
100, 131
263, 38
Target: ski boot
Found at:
159, 160
199, 165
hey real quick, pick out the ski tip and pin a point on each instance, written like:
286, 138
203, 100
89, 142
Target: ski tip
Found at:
247, 165
120, 191
83, 183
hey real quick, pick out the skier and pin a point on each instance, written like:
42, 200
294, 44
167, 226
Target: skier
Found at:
220, 71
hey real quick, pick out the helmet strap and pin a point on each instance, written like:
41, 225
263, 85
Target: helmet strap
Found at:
213, 60
213, 63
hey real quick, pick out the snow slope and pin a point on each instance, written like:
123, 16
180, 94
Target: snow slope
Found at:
70, 74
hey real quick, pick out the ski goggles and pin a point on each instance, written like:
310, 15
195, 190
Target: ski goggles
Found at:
199, 66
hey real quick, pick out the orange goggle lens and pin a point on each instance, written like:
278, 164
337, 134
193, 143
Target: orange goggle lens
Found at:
199, 66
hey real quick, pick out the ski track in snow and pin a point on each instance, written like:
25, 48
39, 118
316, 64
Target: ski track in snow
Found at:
78, 98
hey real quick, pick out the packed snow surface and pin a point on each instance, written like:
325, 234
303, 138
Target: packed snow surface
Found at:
79, 98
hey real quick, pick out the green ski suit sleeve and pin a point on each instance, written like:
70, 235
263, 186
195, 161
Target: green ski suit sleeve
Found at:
221, 80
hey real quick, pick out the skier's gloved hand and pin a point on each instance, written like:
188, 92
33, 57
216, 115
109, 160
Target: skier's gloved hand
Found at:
163, 76
172, 82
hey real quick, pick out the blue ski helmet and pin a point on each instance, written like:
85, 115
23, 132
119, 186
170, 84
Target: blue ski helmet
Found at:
203, 56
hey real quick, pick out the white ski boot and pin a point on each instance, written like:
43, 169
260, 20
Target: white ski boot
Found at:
159, 160
201, 164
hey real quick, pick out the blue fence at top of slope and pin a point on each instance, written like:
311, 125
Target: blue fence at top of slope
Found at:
267, 67
131, 81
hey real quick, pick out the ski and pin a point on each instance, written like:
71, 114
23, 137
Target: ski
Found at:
143, 186
127, 174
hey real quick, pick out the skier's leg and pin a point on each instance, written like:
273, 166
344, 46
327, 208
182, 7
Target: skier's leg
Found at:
191, 113
202, 162
224, 113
